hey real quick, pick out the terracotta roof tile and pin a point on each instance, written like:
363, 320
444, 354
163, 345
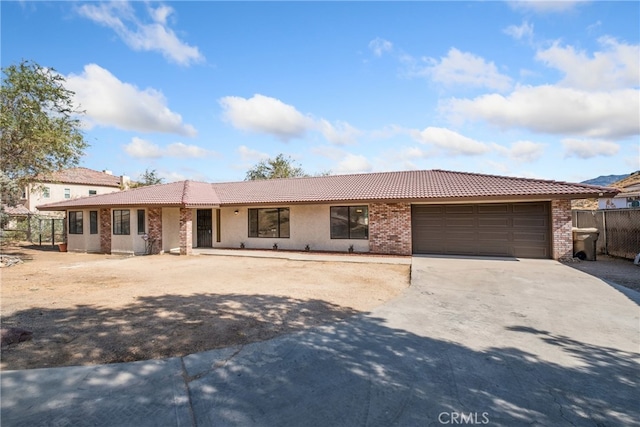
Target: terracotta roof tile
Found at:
153, 195
407, 185
430, 185
82, 176
17, 210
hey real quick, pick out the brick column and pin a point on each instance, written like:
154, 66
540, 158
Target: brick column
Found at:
186, 227
155, 229
105, 230
562, 236
390, 228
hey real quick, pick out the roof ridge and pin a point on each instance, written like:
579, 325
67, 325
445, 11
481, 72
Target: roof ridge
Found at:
522, 178
185, 191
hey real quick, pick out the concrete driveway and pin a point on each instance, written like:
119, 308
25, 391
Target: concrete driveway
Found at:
490, 342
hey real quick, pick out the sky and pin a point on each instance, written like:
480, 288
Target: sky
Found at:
205, 90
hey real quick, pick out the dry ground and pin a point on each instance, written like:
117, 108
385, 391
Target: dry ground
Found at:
611, 269
92, 309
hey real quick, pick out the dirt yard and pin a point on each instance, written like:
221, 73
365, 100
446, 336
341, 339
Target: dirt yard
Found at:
88, 309
611, 269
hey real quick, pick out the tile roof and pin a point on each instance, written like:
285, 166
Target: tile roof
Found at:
82, 176
426, 185
152, 195
18, 210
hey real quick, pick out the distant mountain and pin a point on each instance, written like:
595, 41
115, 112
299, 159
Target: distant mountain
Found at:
605, 180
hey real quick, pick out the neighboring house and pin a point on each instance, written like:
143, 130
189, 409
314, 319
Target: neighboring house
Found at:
16, 214
70, 184
628, 197
403, 213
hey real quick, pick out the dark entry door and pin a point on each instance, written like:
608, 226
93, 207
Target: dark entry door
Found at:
204, 225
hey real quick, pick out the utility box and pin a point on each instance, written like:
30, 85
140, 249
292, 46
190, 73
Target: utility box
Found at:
584, 243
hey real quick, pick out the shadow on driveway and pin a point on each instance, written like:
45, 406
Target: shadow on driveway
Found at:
358, 372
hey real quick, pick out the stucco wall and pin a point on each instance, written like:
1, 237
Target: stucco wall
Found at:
170, 229
85, 242
309, 225
131, 243
57, 192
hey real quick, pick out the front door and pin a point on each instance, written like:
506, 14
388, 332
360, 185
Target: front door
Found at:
204, 226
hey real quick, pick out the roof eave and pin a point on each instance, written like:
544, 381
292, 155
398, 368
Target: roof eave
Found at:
114, 206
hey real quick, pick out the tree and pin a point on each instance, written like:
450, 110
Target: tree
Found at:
39, 124
149, 177
278, 167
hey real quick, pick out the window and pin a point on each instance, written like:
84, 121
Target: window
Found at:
271, 222
46, 192
75, 222
141, 221
349, 222
67, 193
92, 192
93, 222
121, 221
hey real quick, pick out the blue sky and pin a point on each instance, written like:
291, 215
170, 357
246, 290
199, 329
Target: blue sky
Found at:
205, 90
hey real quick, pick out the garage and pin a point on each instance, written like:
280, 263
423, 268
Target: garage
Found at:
492, 229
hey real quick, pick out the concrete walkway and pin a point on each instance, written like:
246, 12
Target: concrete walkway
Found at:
497, 342
306, 256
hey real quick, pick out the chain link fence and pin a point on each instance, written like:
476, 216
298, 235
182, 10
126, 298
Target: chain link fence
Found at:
619, 230
36, 229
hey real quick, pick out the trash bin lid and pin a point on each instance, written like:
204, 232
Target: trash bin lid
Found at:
585, 230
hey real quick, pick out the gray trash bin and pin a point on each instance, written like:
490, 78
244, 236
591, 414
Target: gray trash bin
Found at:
584, 243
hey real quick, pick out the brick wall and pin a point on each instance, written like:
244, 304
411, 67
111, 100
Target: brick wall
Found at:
105, 230
562, 235
186, 230
390, 228
155, 229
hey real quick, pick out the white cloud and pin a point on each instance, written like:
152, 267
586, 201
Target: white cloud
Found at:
554, 110
633, 160
247, 154
353, 163
263, 114
526, 151
180, 150
586, 149
340, 134
519, 32
379, 46
345, 162
452, 143
615, 66
461, 68
144, 149
110, 102
545, 6
405, 156
522, 151
152, 36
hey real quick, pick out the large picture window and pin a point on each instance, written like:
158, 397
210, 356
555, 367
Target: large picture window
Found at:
270, 222
93, 222
121, 222
75, 222
349, 222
